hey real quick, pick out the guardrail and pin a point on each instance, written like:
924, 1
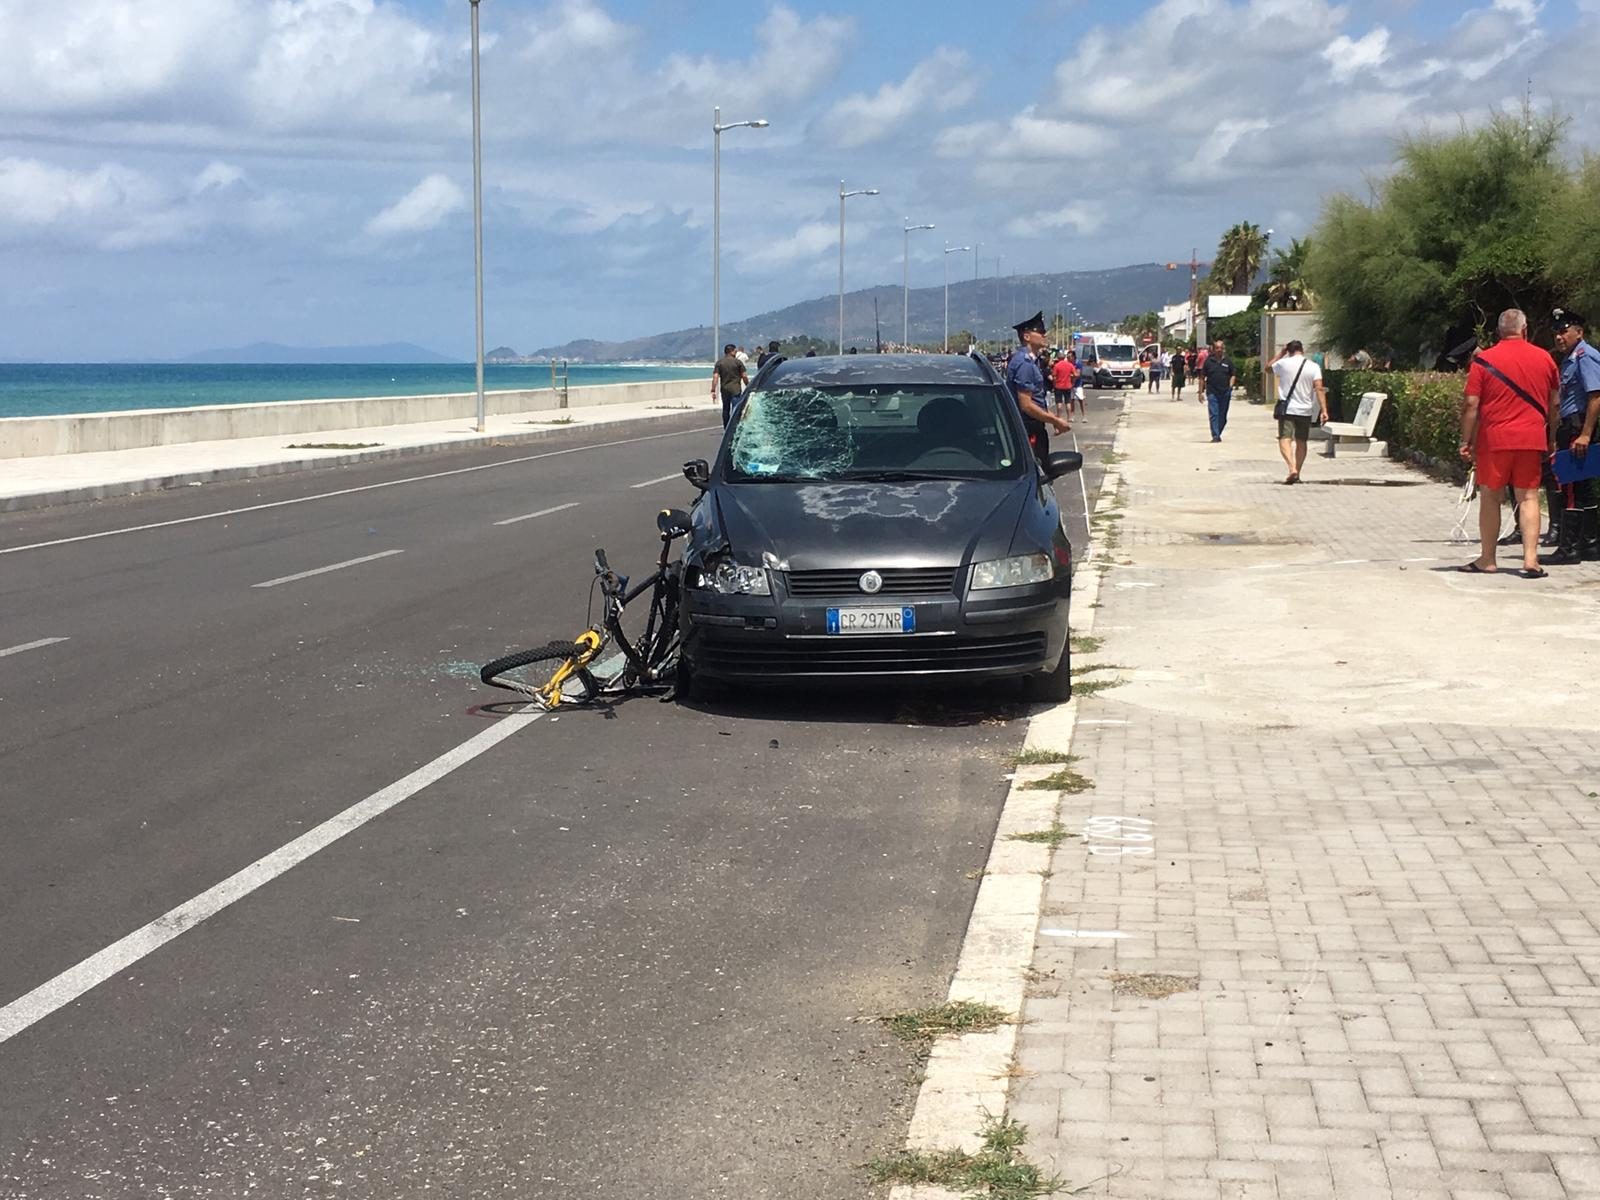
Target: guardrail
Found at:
22, 437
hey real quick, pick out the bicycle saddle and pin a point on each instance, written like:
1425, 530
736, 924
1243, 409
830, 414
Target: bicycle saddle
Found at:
672, 522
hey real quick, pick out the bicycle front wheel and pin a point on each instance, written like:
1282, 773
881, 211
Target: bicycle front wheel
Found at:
535, 668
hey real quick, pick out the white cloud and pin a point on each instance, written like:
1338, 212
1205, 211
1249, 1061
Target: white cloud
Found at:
939, 83
1349, 56
1079, 218
803, 244
423, 208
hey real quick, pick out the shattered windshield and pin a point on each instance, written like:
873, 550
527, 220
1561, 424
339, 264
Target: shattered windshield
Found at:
893, 432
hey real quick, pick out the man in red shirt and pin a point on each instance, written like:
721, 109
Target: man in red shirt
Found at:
1508, 427
1065, 374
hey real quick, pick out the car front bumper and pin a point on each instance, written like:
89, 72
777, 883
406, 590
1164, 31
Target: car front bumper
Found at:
1009, 632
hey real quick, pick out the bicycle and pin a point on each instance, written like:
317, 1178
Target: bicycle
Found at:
560, 673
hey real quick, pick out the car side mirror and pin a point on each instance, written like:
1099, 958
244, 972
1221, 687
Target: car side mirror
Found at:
1062, 462
698, 472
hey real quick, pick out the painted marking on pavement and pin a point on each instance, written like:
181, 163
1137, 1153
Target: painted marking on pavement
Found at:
122, 954
653, 482
338, 566
1348, 562
543, 512
30, 646
351, 491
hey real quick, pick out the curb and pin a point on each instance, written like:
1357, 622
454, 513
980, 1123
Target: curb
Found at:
156, 483
969, 1077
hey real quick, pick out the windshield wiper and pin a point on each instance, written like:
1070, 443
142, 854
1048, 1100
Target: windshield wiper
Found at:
763, 477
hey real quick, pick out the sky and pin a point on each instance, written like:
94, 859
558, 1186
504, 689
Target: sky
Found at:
184, 174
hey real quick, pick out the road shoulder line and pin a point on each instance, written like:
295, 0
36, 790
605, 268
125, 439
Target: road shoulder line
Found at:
969, 1077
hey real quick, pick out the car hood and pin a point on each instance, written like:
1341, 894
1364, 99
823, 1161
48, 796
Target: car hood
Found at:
818, 526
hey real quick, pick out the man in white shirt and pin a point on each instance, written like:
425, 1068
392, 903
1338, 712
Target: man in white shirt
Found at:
1301, 395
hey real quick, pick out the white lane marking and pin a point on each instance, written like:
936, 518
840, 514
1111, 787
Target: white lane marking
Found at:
350, 491
1085, 933
122, 954
653, 482
1348, 562
338, 566
30, 646
1424, 558
543, 512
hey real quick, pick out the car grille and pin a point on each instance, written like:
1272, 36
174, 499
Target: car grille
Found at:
860, 655
916, 581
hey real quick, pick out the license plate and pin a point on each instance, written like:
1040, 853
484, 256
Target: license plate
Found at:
872, 620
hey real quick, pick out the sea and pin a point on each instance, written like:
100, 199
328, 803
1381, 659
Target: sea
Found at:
53, 389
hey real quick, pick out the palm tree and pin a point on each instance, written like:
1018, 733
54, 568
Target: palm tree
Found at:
1239, 256
1286, 284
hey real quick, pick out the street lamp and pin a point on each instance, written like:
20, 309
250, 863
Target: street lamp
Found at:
948, 251
905, 333
477, 219
842, 195
716, 221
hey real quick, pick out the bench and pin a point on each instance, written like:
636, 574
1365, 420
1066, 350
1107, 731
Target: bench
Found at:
1357, 435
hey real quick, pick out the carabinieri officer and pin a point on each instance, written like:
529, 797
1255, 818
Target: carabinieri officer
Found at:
1578, 531
1027, 385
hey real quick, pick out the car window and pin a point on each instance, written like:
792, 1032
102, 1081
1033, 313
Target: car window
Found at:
857, 432
1115, 353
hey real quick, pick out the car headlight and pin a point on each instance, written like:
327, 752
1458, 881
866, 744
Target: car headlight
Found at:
1017, 571
730, 579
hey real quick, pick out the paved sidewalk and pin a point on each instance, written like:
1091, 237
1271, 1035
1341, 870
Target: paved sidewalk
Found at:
1344, 803
42, 480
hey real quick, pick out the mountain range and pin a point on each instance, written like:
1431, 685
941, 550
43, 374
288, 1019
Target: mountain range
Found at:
988, 307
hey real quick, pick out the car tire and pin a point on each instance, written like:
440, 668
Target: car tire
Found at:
692, 687
1053, 687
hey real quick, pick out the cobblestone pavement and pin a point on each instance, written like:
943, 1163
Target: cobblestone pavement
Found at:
1330, 929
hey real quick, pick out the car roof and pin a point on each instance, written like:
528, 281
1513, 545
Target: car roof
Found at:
843, 370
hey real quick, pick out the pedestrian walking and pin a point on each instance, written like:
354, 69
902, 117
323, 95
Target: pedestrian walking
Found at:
1508, 425
1157, 370
1577, 505
1027, 385
731, 378
1065, 374
1219, 377
1301, 396
1180, 368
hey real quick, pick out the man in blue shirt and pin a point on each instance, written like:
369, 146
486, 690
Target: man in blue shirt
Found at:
1576, 504
1027, 385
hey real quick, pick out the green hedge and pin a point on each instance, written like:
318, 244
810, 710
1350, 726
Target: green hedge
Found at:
1249, 375
1422, 414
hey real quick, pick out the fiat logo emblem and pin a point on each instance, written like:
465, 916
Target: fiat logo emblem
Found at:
871, 583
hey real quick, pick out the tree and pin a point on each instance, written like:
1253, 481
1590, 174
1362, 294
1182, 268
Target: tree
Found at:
1238, 259
1286, 286
1137, 325
1467, 226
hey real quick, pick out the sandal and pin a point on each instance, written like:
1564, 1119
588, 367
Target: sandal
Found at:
1472, 568
1534, 573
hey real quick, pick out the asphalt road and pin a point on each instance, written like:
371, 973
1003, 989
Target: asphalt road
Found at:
627, 955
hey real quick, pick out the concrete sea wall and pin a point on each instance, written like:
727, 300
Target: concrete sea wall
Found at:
21, 437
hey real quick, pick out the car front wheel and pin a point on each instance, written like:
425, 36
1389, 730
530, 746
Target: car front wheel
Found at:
1054, 687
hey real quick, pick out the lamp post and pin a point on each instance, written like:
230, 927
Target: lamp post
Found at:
948, 251
477, 220
716, 221
905, 333
842, 194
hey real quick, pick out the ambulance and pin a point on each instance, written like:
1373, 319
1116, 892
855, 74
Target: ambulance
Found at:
1116, 353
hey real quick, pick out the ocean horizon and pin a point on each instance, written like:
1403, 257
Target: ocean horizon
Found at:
68, 389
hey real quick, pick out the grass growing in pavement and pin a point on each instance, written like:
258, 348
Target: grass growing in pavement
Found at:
554, 421
938, 1020
1065, 780
1054, 836
1089, 687
1086, 643
998, 1171
331, 445
1035, 758
1091, 668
